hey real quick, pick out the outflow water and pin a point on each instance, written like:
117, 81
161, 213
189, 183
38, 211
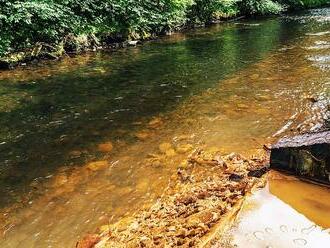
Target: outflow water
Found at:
75, 134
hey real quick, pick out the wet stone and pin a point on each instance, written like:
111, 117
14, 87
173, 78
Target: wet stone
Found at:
105, 147
170, 153
254, 76
143, 135
163, 147
75, 154
183, 137
235, 177
88, 241
184, 148
242, 106
97, 165
205, 217
258, 173
59, 180
155, 123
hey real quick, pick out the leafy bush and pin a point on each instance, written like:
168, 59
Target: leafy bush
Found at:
51, 20
299, 4
138, 16
257, 7
25, 22
205, 11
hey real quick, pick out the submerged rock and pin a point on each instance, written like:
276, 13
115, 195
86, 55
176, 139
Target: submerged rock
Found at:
170, 153
184, 148
143, 135
254, 76
163, 147
97, 165
105, 147
59, 180
155, 123
88, 241
242, 106
75, 154
167, 149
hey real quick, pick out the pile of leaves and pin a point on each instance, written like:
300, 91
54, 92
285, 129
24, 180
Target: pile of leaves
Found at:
206, 190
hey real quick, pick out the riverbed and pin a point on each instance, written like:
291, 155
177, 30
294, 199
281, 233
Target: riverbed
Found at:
77, 135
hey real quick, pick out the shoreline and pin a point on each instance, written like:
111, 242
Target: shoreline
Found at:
41, 51
84, 43
201, 202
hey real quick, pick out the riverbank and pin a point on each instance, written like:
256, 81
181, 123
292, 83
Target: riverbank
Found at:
204, 201
51, 30
201, 201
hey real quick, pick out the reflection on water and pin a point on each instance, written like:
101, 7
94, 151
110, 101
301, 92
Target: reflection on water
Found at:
232, 86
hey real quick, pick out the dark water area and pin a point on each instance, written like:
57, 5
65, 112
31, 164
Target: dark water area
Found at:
50, 111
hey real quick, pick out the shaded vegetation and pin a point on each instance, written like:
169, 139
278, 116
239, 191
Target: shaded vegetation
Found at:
73, 25
300, 4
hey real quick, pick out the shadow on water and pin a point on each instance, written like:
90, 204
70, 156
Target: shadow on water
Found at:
42, 120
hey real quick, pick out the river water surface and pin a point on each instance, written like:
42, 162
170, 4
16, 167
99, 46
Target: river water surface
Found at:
76, 134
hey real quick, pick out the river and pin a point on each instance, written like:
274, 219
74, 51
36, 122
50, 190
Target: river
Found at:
236, 86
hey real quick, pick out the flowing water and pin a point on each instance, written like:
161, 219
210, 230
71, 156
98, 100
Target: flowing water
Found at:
76, 135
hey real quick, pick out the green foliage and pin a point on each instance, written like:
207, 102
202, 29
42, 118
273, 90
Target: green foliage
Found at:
25, 22
205, 11
138, 16
52, 20
299, 4
257, 7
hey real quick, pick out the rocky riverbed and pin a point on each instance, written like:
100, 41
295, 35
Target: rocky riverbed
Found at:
201, 201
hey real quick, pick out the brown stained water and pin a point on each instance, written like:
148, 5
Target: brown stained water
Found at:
235, 86
311, 200
286, 213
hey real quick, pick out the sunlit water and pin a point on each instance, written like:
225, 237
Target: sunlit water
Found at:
235, 86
